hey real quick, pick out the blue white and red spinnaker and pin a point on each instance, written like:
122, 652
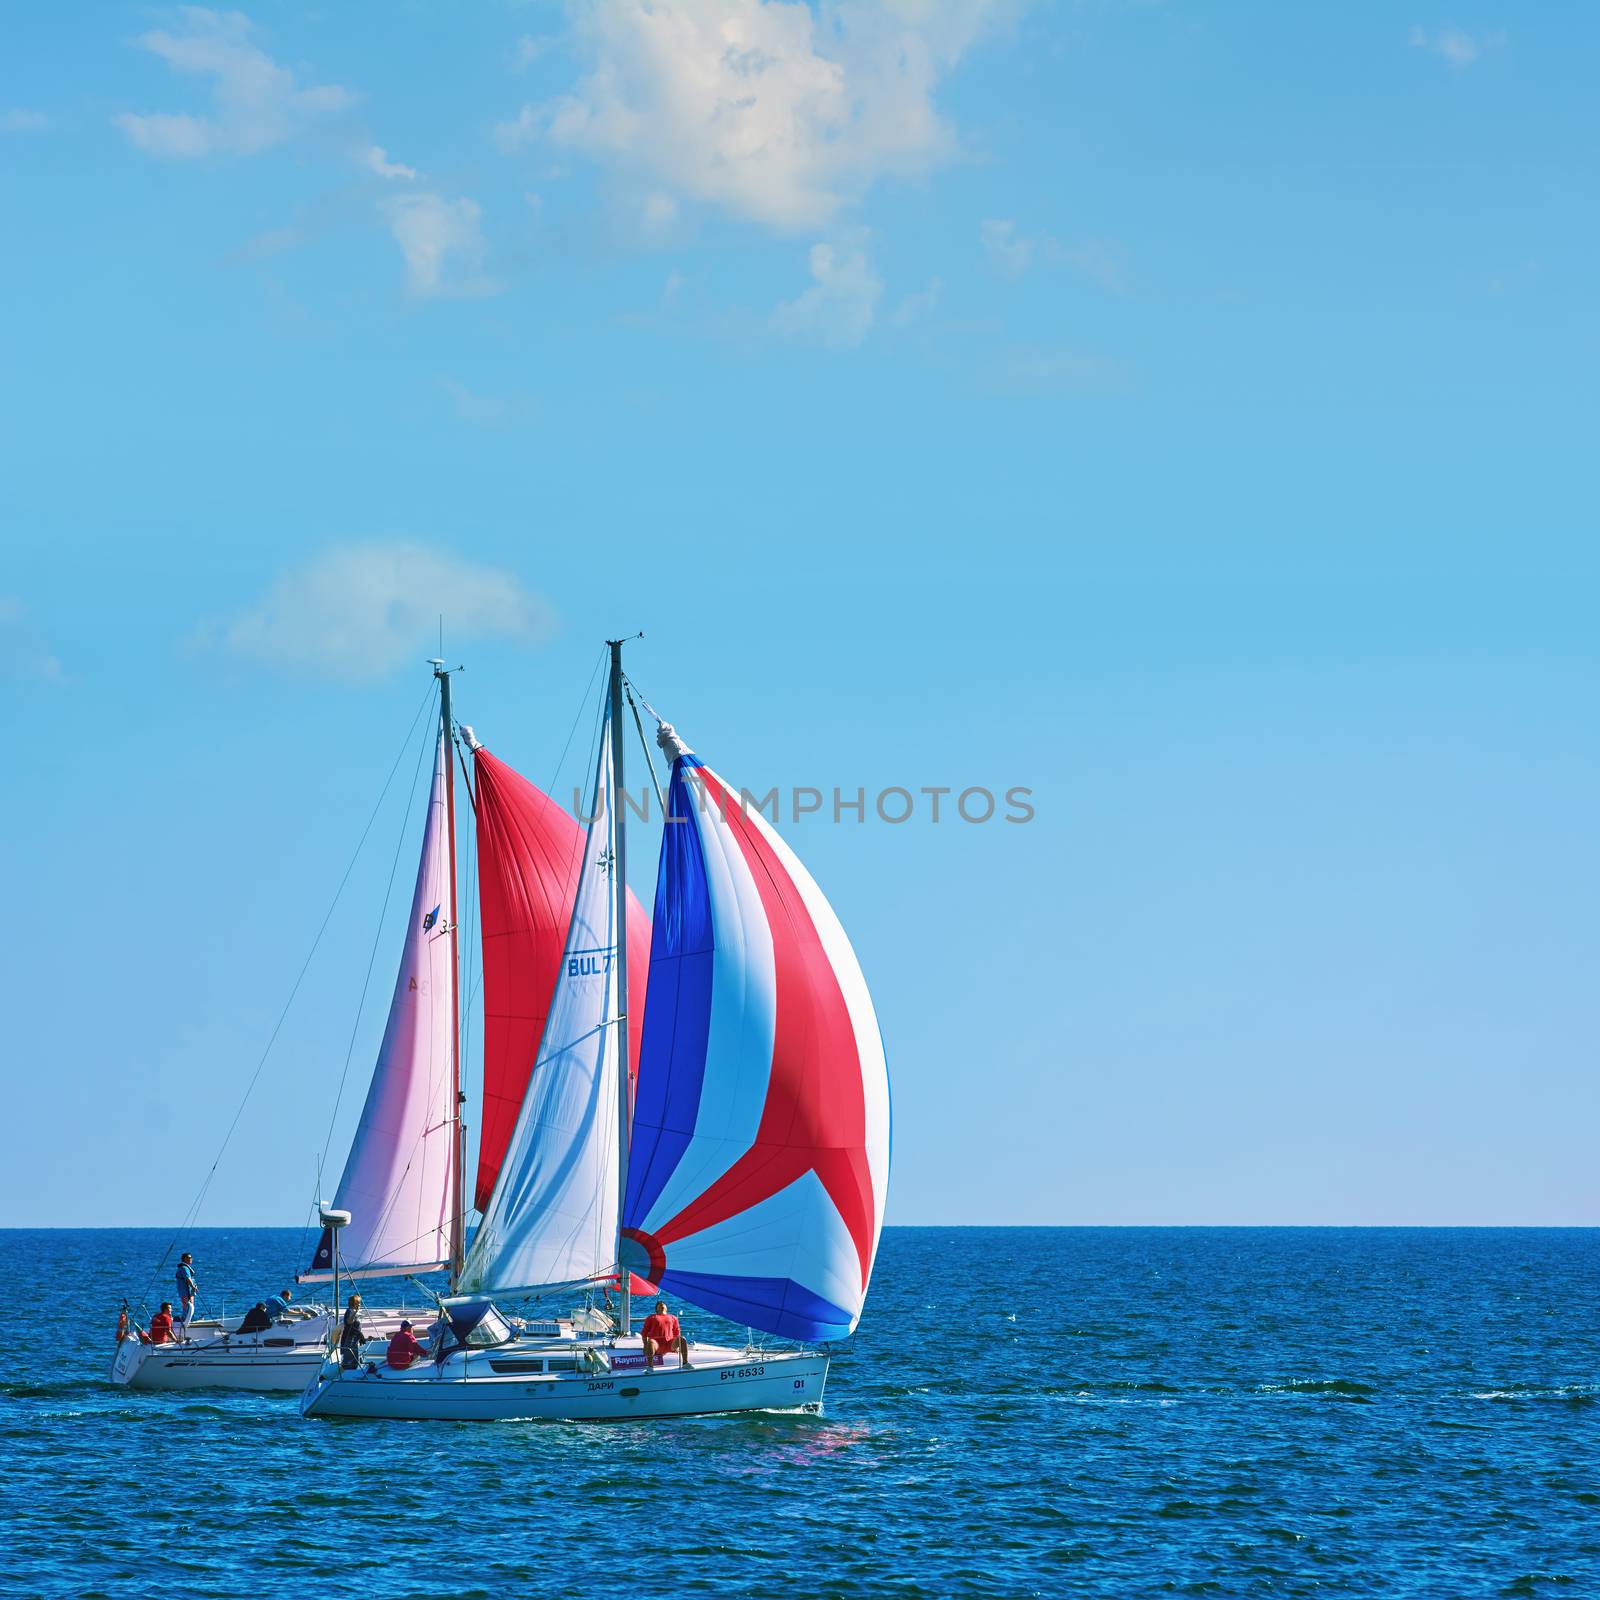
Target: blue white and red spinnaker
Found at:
760, 1149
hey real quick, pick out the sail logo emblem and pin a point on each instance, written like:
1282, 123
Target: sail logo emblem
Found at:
429, 920
590, 963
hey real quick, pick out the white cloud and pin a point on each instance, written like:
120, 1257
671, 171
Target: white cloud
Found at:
659, 209
481, 410
1453, 45
443, 245
1008, 253
360, 611
916, 306
529, 48
255, 103
1097, 261
20, 120
488, 410
1036, 368
22, 651
761, 108
258, 104
524, 129
839, 308
376, 161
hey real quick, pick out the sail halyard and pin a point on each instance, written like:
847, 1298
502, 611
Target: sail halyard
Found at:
552, 1217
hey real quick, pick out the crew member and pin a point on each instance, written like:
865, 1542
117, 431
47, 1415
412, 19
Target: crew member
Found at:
351, 1336
186, 1288
405, 1348
662, 1336
255, 1320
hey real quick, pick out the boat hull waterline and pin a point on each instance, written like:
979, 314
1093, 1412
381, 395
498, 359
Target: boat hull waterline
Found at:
737, 1382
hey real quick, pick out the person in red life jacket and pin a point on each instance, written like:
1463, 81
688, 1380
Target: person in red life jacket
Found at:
405, 1348
662, 1337
161, 1326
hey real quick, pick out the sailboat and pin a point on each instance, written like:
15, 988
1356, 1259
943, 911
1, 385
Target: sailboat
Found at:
400, 1206
746, 1173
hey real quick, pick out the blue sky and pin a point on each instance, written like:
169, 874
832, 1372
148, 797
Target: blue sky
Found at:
1185, 412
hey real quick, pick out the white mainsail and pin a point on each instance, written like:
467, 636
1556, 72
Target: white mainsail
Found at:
552, 1218
398, 1181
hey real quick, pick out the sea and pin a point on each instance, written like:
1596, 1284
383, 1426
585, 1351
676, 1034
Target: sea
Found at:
1114, 1412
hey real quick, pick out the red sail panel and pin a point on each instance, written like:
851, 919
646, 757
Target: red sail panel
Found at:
529, 853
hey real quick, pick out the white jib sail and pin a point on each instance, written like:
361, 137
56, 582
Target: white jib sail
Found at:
398, 1179
553, 1215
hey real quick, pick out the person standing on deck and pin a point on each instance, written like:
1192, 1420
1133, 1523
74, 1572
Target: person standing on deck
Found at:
186, 1291
352, 1336
661, 1335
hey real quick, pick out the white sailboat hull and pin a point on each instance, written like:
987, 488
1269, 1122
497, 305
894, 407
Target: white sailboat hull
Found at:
215, 1364
282, 1359
719, 1381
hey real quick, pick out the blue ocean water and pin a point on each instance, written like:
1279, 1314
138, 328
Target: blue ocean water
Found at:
1062, 1411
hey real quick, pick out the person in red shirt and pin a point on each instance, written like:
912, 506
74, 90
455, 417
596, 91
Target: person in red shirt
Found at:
662, 1336
404, 1348
161, 1325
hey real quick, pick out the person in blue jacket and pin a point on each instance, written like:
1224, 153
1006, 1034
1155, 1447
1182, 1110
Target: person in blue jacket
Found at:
186, 1288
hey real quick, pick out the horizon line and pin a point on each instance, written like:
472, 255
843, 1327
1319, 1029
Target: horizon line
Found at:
282, 1227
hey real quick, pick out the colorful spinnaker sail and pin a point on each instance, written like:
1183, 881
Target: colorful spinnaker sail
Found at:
760, 1151
398, 1179
553, 1216
529, 855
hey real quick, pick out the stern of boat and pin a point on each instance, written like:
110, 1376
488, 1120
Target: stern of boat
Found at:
129, 1358
326, 1374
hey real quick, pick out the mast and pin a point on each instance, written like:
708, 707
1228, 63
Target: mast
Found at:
458, 1206
619, 923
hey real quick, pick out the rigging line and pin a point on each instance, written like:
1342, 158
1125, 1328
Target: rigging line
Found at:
466, 776
642, 701
644, 744
199, 1199
377, 938
550, 788
587, 813
310, 1231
